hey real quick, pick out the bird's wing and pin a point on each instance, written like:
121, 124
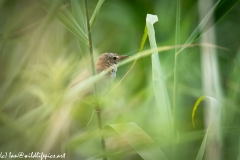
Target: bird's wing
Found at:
83, 76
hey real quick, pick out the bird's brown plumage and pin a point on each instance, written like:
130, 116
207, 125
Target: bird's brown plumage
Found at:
104, 61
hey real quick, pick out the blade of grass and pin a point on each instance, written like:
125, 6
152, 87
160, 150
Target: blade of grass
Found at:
133, 64
95, 13
78, 88
66, 18
97, 106
222, 9
210, 77
79, 13
175, 85
202, 148
212, 122
144, 38
139, 140
177, 42
148, 52
195, 108
199, 28
159, 87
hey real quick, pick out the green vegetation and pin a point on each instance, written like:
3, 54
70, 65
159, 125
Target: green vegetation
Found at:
176, 97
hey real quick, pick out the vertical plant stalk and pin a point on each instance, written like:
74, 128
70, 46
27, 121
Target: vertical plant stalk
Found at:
175, 89
211, 83
97, 108
90, 47
175, 86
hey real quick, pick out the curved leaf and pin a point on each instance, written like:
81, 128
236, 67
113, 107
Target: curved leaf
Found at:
195, 108
137, 138
212, 122
159, 87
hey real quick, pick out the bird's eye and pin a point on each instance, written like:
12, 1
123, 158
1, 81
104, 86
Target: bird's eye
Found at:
115, 58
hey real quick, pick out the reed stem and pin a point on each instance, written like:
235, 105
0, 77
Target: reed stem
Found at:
97, 108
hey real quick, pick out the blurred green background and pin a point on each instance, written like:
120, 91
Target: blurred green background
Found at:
40, 56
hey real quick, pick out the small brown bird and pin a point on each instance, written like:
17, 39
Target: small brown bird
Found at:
109, 60
105, 61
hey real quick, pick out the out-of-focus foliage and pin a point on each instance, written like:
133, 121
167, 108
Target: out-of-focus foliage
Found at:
43, 51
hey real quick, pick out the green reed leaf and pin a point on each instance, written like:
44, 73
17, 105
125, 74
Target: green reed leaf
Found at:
212, 122
79, 13
139, 140
159, 87
200, 27
95, 13
67, 19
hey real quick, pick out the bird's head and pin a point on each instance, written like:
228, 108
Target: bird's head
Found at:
107, 60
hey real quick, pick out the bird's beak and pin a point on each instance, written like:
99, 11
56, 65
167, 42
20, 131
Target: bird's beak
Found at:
121, 57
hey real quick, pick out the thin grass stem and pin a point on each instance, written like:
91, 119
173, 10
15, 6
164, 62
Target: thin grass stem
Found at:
177, 41
90, 46
97, 108
175, 88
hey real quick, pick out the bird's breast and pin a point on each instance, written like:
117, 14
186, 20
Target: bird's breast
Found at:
113, 71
